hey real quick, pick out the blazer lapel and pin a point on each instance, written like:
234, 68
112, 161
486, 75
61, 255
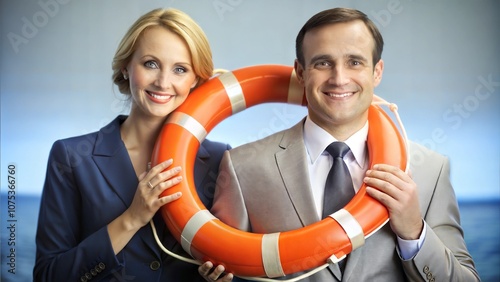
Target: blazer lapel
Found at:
292, 164
112, 158
351, 261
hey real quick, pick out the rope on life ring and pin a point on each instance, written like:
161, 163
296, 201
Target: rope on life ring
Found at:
246, 254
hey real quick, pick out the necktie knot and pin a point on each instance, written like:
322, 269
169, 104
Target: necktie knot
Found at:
338, 149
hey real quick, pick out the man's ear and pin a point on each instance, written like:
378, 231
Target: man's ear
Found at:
299, 71
377, 72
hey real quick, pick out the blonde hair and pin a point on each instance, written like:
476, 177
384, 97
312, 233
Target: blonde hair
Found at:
175, 21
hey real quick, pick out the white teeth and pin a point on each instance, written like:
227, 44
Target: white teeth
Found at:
159, 97
339, 95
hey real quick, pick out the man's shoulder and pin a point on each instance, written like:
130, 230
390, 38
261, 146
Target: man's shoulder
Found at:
427, 161
422, 152
270, 142
265, 148
211, 145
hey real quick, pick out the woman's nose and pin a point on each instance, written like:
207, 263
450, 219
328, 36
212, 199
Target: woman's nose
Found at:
163, 80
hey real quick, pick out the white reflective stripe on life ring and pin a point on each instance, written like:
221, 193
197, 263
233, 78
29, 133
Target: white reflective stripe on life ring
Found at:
193, 225
189, 123
234, 91
271, 255
351, 227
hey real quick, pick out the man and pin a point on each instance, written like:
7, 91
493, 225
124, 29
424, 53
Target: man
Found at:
339, 64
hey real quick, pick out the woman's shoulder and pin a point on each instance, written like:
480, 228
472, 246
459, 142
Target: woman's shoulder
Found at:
215, 145
84, 141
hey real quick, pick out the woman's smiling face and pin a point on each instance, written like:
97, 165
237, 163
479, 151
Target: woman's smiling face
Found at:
160, 72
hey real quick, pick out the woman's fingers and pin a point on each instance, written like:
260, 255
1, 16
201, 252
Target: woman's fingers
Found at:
160, 179
169, 198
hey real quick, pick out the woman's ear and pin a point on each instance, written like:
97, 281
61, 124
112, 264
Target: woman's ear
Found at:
195, 82
125, 73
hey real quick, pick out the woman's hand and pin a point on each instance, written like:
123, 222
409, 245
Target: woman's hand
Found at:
145, 204
147, 199
212, 274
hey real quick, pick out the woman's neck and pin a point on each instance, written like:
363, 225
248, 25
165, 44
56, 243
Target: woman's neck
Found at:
139, 133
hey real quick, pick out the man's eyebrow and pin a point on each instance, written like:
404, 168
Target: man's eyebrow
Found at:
329, 58
357, 57
322, 57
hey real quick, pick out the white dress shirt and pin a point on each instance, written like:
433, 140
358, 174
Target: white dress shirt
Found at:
316, 140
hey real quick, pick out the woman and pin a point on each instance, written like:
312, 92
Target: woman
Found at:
99, 193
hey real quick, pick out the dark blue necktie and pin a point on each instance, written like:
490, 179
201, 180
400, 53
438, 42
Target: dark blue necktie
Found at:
338, 188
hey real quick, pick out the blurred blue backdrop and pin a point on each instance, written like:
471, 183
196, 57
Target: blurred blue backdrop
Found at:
442, 69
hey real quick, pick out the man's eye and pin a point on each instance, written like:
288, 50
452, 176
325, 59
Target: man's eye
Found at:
356, 63
322, 64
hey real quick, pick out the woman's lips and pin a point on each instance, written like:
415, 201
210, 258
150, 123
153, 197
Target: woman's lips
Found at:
159, 98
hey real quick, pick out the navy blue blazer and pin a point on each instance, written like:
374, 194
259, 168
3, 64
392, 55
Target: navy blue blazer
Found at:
90, 181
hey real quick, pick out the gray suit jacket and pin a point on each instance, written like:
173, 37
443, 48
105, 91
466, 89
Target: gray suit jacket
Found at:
263, 187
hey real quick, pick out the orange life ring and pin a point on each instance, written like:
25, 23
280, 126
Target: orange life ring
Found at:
205, 237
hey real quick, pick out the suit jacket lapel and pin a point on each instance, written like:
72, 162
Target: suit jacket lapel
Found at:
352, 260
112, 158
292, 164
291, 161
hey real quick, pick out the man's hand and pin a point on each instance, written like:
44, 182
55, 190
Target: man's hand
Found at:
216, 274
397, 191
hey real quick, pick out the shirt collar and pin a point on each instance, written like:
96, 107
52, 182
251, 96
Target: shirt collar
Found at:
317, 139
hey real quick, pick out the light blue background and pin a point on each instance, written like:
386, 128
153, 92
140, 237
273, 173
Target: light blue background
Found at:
441, 68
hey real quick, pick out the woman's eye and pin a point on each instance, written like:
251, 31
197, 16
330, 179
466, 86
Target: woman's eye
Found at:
179, 70
151, 64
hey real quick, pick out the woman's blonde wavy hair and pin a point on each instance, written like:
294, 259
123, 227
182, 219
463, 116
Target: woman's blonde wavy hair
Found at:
175, 21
